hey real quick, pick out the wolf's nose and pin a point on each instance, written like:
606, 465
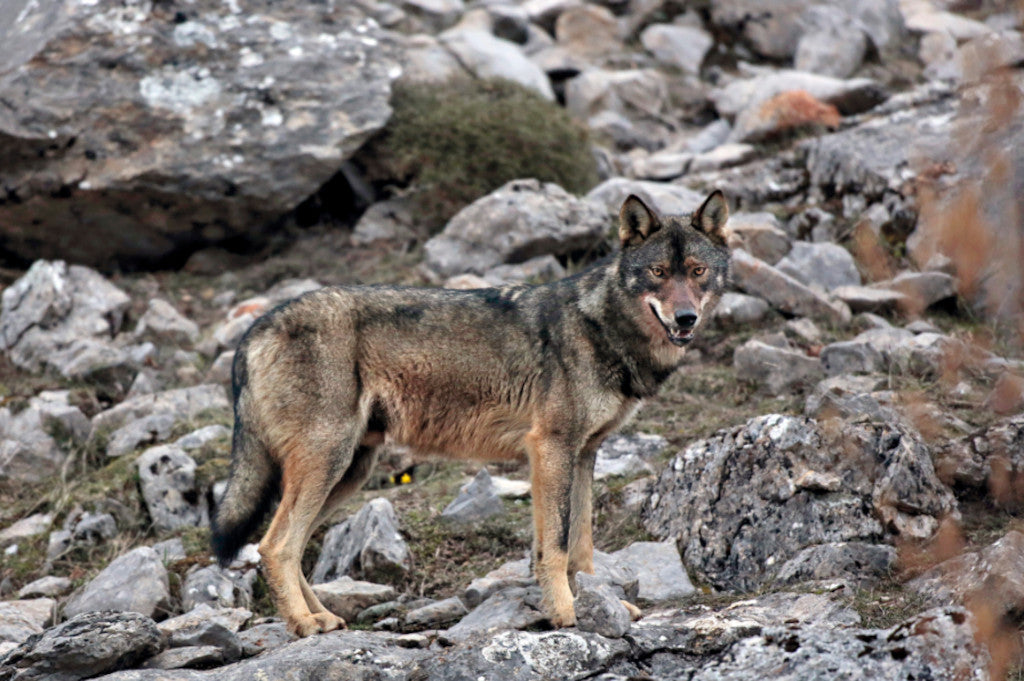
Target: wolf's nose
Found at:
686, 318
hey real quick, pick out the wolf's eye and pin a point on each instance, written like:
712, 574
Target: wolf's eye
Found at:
699, 271
658, 271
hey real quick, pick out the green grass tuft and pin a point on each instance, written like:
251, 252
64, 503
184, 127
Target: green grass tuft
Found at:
457, 142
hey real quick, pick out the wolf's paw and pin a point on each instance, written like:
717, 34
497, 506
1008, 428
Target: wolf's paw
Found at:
318, 623
563, 619
634, 612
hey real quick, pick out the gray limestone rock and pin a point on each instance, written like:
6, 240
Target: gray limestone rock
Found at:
509, 608
368, 545
167, 478
991, 455
261, 637
782, 291
628, 454
347, 597
760, 235
20, 619
745, 501
598, 608
50, 586
161, 322
665, 198
476, 501
849, 397
437, 615
27, 527
520, 220
187, 657
362, 655
134, 582
85, 646
205, 126
512, 574
822, 265
182, 403
858, 562
682, 47
849, 96
737, 309
778, 369
488, 56
52, 306
992, 575
148, 430
206, 626
217, 587
851, 357
657, 568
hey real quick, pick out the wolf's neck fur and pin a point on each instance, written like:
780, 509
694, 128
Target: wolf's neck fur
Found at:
626, 353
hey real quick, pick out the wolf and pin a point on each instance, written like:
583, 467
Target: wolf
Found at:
539, 373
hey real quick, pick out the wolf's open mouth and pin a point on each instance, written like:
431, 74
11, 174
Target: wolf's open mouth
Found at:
678, 338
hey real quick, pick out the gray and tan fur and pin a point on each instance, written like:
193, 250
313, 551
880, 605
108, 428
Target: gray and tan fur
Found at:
542, 373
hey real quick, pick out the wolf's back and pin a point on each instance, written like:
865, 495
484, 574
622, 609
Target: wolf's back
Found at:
255, 478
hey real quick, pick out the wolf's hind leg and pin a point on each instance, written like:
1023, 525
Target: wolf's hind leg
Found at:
355, 477
581, 534
307, 480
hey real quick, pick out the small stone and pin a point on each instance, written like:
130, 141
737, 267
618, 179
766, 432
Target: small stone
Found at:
598, 608
859, 562
436, 615
851, 357
476, 501
658, 570
779, 370
262, 637
737, 309
163, 323
822, 265
627, 454
134, 582
167, 477
26, 528
367, 545
49, 586
510, 608
347, 597
23, 618
189, 657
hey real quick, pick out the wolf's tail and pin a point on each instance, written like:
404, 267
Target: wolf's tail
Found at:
255, 478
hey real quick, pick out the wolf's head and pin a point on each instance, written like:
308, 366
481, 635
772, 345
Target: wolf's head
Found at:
675, 267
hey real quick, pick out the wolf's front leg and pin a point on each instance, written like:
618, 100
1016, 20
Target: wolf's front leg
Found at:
551, 473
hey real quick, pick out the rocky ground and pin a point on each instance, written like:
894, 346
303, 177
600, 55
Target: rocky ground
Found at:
830, 487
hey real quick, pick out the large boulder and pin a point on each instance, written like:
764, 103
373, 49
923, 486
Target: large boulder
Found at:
132, 132
34, 440
748, 499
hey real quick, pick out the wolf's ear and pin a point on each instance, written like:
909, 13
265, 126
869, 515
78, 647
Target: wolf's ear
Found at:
711, 217
636, 222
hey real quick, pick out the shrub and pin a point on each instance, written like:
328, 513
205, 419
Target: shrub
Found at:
456, 142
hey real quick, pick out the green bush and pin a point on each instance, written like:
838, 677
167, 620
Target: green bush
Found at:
456, 142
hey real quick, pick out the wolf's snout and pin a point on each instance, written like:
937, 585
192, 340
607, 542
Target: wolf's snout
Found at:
686, 318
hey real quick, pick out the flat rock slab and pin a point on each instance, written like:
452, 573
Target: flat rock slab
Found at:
782, 291
90, 644
347, 597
